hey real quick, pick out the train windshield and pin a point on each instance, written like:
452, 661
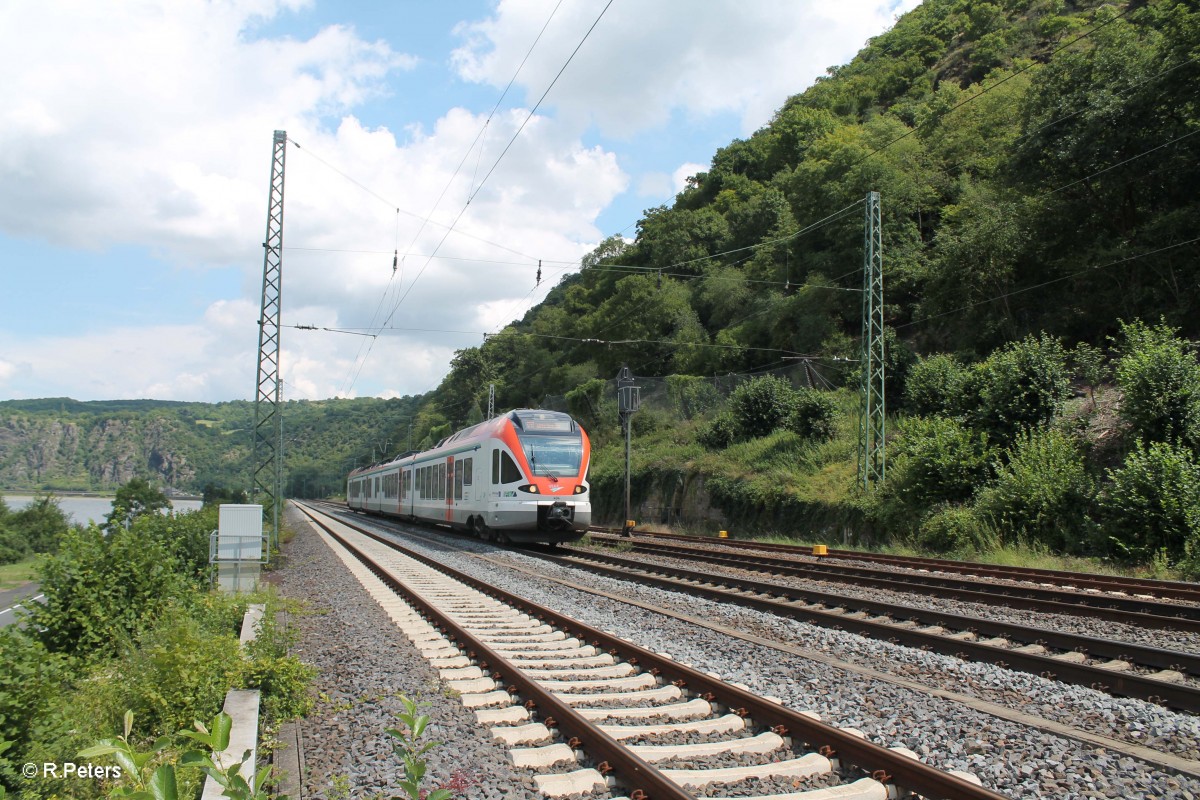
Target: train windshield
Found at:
553, 456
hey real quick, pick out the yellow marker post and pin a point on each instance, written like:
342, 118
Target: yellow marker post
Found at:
820, 550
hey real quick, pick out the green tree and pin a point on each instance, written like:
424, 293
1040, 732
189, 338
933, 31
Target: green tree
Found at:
937, 460
135, 498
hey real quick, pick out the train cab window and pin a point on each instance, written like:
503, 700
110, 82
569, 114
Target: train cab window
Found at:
495, 467
509, 473
458, 481
466, 471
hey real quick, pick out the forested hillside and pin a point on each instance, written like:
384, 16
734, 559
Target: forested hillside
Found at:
62, 444
1037, 163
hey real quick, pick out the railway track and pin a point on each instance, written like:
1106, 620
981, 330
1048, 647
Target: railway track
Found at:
1141, 611
1167, 677
554, 688
1075, 581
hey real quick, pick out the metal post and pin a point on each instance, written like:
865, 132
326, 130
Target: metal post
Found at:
872, 460
628, 402
268, 426
491, 400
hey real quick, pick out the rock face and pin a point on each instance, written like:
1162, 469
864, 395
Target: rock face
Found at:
37, 453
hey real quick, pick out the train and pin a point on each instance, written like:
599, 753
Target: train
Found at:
519, 477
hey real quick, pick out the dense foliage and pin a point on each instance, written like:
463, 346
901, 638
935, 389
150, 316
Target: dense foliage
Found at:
1036, 161
128, 623
34, 529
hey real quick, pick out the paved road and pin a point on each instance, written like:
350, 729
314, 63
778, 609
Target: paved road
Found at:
13, 599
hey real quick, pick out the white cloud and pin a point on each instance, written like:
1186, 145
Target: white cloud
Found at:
645, 60
149, 125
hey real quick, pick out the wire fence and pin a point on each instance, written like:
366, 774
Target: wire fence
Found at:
685, 397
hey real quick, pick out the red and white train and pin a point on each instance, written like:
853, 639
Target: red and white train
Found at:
519, 477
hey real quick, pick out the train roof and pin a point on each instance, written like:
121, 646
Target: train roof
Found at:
526, 420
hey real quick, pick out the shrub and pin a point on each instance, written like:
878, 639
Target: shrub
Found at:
812, 415
1160, 384
761, 405
935, 386
938, 460
1043, 493
100, 586
30, 684
719, 433
952, 528
1153, 504
1021, 386
179, 671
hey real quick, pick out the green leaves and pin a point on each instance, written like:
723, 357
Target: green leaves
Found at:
141, 780
410, 750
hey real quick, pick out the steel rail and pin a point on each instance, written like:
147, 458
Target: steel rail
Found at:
883, 764
1131, 611
1174, 695
1177, 590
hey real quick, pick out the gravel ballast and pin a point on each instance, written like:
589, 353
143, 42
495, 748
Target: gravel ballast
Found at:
365, 662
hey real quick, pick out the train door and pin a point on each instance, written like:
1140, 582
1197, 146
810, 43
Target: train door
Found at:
449, 473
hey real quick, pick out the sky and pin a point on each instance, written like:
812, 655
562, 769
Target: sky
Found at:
473, 138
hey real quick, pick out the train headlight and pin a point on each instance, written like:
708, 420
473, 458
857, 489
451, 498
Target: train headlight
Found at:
580, 489
529, 487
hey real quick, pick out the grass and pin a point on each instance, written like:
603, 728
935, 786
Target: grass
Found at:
13, 575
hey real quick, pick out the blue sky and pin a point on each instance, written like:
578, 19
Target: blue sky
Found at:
135, 143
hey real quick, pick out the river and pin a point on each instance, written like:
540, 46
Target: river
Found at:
88, 509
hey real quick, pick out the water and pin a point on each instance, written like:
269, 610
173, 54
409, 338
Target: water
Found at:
88, 509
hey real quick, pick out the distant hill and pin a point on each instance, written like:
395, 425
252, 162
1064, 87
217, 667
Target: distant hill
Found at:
65, 444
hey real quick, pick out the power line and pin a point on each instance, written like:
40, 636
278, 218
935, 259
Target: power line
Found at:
475, 193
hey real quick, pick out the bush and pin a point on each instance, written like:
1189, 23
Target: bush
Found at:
99, 586
719, 433
1043, 493
1153, 504
813, 414
1023, 385
30, 684
952, 528
935, 386
1160, 384
938, 460
760, 406
179, 671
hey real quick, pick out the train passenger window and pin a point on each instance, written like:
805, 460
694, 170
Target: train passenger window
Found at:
466, 470
440, 480
458, 481
495, 467
508, 469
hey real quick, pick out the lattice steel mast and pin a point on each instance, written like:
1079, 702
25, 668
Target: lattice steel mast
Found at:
872, 462
268, 419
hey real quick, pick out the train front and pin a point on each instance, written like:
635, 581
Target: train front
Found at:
556, 453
